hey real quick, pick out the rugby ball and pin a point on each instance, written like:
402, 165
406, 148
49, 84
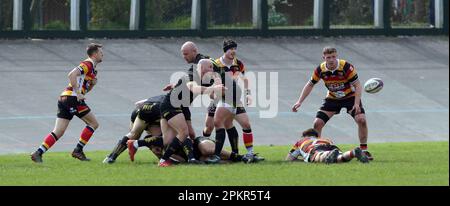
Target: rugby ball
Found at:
373, 85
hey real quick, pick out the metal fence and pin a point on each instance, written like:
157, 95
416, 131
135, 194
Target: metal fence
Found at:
49, 14
229, 14
6, 15
413, 14
290, 14
163, 14
115, 16
144, 18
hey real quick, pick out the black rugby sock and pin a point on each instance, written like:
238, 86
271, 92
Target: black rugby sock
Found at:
174, 146
233, 137
187, 148
220, 140
119, 148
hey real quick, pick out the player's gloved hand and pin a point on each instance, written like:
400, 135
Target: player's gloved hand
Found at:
296, 106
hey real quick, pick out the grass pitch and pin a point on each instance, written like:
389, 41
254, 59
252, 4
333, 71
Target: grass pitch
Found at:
418, 163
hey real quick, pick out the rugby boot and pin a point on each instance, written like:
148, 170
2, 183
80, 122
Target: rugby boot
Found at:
257, 158
369, 156
79, 154
36, 157
213, 160
165, 163
195, 162
361, 156
131, 149
108, 160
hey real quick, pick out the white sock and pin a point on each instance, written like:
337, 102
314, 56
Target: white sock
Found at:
250, 150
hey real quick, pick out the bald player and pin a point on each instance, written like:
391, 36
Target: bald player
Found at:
173, 117
190, 54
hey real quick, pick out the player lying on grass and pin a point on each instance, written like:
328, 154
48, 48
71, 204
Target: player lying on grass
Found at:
311, 148
203, 147
146, 116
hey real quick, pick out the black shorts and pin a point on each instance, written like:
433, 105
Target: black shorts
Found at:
68, 106
335, 105
167, 111
150, 113
187, 113
240, 110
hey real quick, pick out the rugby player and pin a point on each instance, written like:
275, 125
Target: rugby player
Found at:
146, 116
190, 54
203, 147
230, 107
173, 117
71, 102
344, 91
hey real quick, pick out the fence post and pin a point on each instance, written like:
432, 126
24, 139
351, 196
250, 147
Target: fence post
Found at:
17, 15
134, 14
318, 14
195, 14
439, 13
378, 14
74, 15
198, 16
257, 18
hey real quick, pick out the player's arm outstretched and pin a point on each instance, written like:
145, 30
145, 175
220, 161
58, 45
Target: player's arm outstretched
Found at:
353, 79
305, 92
204, 67
197, 89
358, 91
315, 77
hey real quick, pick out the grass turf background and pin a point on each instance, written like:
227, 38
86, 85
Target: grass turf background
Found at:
412, 163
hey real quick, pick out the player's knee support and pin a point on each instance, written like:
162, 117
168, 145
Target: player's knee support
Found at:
249, 130
321, 115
